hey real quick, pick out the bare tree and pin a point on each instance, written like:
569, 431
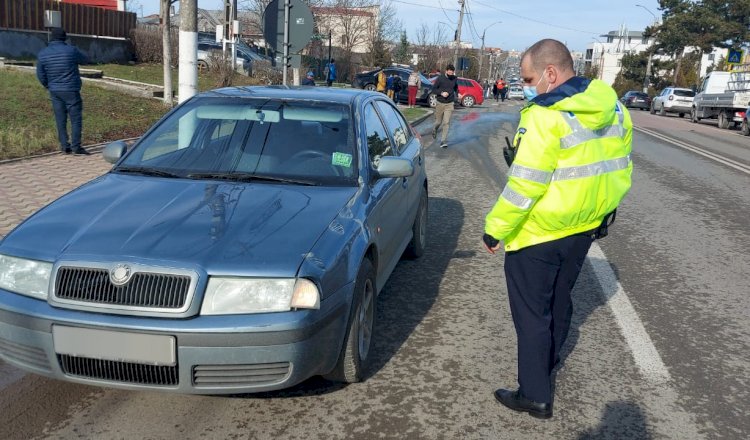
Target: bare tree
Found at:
385, 33
431, 42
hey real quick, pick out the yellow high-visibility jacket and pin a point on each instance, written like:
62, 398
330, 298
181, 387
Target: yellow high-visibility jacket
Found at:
571, 169
380, 87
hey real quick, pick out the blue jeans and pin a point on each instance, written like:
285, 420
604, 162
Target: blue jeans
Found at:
64, 104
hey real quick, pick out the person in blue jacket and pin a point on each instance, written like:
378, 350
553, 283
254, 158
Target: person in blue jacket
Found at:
308, 81
331, 72
57, 70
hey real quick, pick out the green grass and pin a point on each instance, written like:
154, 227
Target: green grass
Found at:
28, 122
154, 74
412, 114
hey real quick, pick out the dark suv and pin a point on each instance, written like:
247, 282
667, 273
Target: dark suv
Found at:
636, 99
369, 81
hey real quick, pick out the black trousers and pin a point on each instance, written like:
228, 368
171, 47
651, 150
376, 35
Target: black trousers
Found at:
540, 279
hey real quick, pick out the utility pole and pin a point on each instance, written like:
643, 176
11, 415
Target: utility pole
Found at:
188, 71
481, 57
457, 39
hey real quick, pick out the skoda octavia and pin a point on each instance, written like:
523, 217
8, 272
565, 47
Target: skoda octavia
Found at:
238, 246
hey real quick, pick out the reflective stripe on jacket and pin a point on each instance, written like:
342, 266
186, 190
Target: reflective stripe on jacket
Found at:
572, 167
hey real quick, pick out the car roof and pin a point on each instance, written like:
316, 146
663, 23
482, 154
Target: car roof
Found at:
328, 94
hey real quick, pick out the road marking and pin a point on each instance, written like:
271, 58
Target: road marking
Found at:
713, 156
646, 356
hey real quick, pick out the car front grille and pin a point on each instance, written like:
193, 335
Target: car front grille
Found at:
115, 371
240, 375
143, 289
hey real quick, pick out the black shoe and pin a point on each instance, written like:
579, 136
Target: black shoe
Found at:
515, 401
81, 152
444, 145
67, 151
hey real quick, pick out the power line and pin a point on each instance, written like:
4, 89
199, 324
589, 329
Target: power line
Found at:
535, 20
445, 12
421, 5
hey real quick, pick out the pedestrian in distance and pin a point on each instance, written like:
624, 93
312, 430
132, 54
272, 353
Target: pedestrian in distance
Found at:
57, 70
495, 90
389, 86
503, 88
308, 81
330, 72
446, 91
397, 86
569, 169
414, 83
382, 84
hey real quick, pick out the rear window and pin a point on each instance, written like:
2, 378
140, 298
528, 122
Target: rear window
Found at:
688, 93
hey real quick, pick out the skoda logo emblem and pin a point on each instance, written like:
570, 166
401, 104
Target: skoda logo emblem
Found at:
120, 274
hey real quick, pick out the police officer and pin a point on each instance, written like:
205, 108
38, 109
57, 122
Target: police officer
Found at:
570, 169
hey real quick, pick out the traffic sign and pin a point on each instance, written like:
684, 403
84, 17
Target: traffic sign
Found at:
735, 56
300, 25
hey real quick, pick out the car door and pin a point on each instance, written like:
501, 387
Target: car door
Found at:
388, 194
409, 148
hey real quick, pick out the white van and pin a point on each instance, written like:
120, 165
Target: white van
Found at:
723, 95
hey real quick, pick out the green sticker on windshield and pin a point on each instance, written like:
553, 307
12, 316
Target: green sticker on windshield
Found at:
341, 159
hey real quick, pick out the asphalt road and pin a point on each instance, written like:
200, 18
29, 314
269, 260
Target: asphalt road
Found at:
659, 348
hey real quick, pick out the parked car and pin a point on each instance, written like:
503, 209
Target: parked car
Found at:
369, 80
471, 91
745, 125
237, 247
673, 100
515, 91
208, 55
636, 99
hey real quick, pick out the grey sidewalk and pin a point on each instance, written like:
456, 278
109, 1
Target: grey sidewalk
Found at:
29, 184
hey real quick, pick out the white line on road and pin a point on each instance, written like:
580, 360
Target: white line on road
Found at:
644, 352
713, 156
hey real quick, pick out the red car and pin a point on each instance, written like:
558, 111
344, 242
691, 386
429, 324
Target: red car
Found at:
471, 91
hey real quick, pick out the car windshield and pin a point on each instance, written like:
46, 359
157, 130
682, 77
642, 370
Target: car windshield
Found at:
250, 139
688, 93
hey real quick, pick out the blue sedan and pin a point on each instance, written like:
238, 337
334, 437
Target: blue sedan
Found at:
238, 247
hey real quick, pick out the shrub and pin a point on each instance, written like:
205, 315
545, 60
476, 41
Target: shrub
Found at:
147, 44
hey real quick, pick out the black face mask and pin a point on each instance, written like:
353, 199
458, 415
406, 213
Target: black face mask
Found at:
451, 77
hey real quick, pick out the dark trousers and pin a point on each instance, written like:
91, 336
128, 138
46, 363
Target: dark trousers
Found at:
502, 94
64, 104
540, 279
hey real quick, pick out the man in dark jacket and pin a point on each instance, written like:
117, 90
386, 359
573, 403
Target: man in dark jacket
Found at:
308, 81
446, 90
57, 70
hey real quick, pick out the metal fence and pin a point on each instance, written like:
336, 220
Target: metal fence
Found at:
76, 19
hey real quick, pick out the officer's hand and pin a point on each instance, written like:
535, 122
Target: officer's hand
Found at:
460, 96
444, 94
491, 243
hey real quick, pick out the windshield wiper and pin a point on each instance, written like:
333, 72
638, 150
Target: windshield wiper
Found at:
146, 171
247, 177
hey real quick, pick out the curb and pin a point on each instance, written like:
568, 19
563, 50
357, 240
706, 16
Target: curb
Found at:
91, 148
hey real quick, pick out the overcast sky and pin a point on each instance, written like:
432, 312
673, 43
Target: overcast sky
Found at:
575, 22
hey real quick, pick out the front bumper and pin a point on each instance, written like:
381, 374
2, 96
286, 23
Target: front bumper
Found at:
214, 354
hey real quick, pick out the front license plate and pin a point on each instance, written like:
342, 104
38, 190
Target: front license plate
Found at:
115, 346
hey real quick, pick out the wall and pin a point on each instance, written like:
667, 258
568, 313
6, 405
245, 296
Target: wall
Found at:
27, 44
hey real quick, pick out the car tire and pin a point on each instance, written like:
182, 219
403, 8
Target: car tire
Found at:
745, 128
723, 120
371, 87
418, 242
662, 111
433, 100
682, 115
356, 353
694, 115
652, 110
468, 101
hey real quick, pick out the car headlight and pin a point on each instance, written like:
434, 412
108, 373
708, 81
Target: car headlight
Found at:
227, 295
25, 277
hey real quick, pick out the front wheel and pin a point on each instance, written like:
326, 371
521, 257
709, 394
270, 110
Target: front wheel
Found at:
662, 111
652, 110
356, 354
694, 115
433, 100
418, 242
468, 101
371, 87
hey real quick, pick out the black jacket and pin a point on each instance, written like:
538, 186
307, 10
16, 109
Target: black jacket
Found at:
445, 84
57, 67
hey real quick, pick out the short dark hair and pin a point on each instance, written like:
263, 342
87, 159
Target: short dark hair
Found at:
332, 60
450, 67
549, 51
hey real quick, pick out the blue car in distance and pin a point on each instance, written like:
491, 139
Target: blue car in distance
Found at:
238, 246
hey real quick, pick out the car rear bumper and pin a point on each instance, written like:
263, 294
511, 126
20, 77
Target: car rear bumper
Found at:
211, 354
678, 107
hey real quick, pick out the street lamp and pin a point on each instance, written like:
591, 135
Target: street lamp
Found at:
647, 79
600, 73
481, 52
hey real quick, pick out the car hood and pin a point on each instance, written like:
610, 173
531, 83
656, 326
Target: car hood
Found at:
221, 227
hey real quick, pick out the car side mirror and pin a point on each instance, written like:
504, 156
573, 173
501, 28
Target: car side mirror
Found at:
114, 151
394, 167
